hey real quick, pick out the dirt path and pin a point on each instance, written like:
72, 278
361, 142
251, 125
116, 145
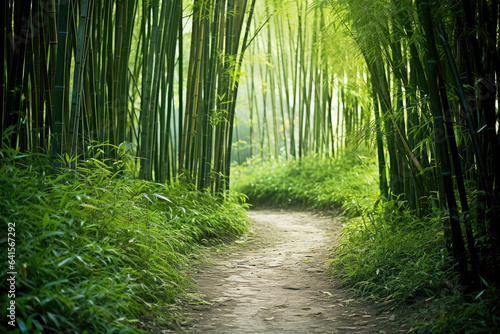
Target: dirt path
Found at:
276, 282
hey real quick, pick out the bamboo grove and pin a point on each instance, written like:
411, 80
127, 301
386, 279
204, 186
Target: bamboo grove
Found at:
80, 72
413, 80
306, 94
439, 115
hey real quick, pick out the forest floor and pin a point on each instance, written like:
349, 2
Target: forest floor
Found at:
275, 280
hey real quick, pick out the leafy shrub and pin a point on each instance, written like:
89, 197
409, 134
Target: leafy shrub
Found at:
96, 252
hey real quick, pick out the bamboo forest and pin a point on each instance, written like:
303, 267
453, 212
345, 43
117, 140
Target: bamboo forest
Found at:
250, 166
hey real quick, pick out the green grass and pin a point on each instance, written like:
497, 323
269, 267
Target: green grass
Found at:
311, 182
97, 252
390, 253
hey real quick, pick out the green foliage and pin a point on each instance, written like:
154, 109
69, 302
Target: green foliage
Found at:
312, 182
481, 315
391, 253
95, 252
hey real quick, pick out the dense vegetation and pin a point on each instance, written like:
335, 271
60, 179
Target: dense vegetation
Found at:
97, 252
126, 72
313, 182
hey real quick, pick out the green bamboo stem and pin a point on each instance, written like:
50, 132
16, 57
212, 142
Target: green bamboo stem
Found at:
59, 83
436, 108
78, 75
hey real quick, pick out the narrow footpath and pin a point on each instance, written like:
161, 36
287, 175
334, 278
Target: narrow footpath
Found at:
276, 281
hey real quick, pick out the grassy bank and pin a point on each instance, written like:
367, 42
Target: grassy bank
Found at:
312, 183
386, 252
96, 252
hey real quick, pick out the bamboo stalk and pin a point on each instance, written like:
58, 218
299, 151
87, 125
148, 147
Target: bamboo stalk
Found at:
458, 243
59, 86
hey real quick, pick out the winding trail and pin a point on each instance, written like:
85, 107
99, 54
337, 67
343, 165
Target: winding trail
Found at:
276, 282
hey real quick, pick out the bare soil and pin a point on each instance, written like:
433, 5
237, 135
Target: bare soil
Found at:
275, 281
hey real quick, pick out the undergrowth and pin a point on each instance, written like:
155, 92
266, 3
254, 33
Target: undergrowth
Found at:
471, 314
311, 182
96, 252
390, 253
386, 252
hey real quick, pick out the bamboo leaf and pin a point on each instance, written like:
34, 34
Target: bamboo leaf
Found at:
89, 206
162, 197
51, 234
54, 283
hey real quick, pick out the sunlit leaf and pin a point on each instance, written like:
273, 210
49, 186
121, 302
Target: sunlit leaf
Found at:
162, 197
